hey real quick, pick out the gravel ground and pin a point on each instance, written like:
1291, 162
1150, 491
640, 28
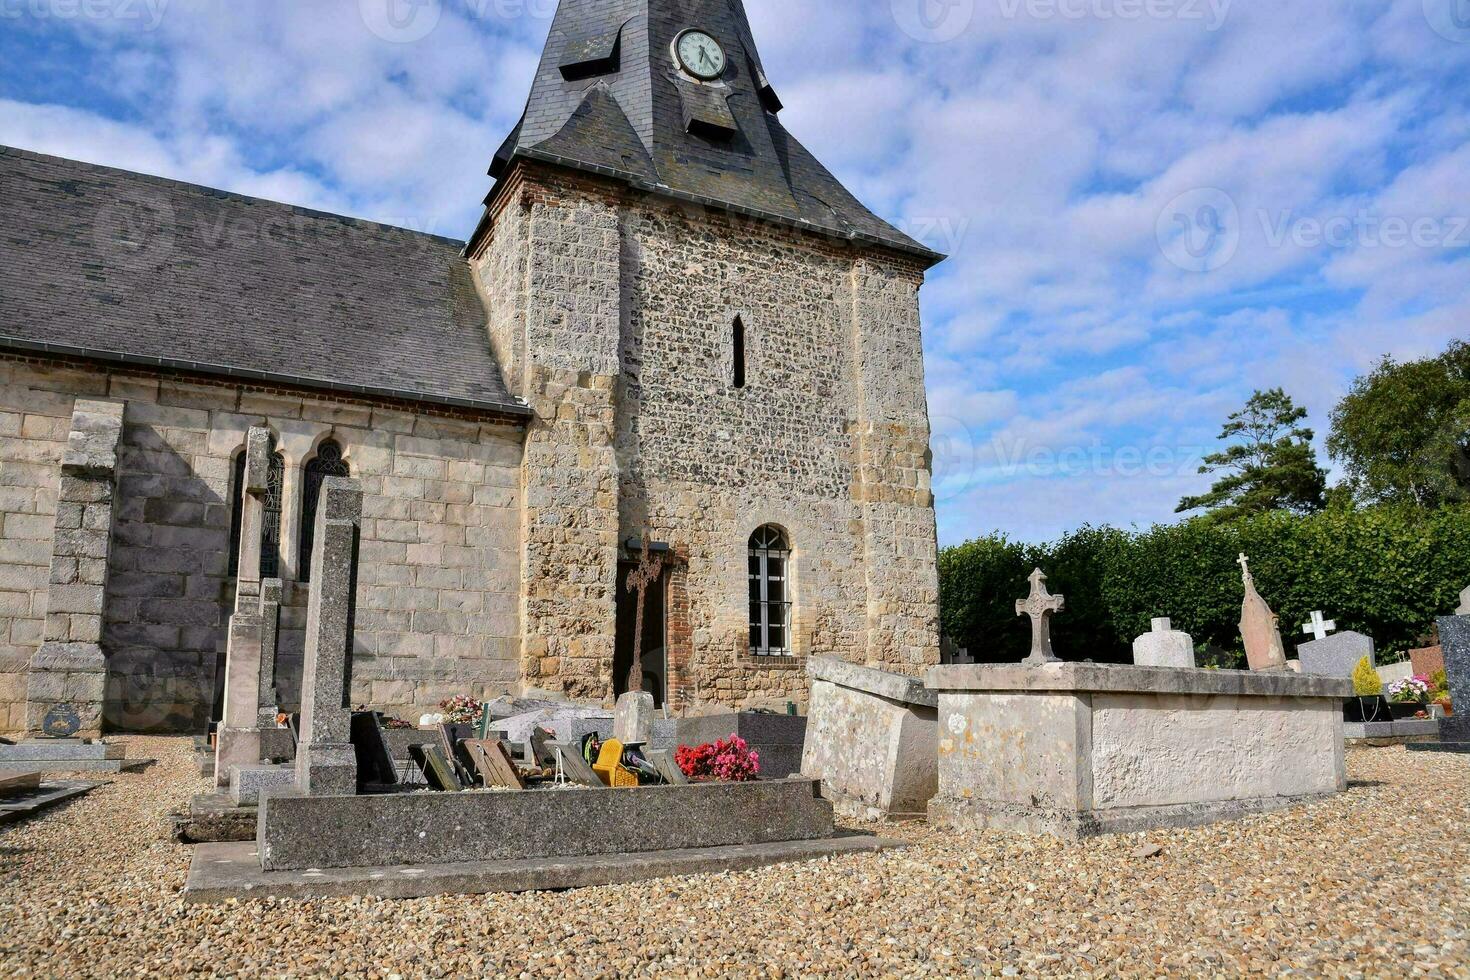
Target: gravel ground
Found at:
1374, 883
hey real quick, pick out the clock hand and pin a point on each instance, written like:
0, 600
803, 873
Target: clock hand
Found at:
704, 53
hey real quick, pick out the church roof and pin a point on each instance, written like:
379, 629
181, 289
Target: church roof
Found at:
118, 266
609, 99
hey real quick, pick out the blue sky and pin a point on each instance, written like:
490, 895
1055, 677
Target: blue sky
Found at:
1152, 206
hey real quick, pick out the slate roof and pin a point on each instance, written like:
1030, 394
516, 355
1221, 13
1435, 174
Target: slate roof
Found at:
629, 120
119, 266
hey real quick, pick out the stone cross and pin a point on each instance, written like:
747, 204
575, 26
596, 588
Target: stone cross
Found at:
1319, 627
1040, 605
648, 572
326, 764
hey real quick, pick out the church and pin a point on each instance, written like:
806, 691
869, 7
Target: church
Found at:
673, 332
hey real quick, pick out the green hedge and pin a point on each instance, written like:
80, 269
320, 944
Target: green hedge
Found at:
1384, 571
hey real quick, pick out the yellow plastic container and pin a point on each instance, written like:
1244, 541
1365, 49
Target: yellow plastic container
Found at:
609, 766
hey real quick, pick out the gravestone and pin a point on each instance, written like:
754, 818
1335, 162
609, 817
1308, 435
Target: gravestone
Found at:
1464, 609
575, 768
633, 719
270, 625
1164, 646
1337, 655
1040, 605
70, 668
326, 764
1454, 637
663, 760
437, 770
1259, 627
238, 743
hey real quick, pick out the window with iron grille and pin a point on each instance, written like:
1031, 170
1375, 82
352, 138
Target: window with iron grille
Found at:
327, 462
270, 525
770, 592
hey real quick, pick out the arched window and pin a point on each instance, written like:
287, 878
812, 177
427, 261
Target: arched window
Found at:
770, 593
738, 352
270, 525
327, 462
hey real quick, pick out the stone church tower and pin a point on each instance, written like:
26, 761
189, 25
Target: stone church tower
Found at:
720, 343
673, 329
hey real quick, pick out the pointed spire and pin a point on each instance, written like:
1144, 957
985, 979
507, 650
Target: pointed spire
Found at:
610, 75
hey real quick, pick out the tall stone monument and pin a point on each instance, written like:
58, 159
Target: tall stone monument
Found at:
1040, 605
1259, 627
1164, 646
239, 733
1454, 636
325, 762
67, 681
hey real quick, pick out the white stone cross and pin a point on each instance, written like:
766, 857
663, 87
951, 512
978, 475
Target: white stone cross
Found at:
1040, 605
1320, 626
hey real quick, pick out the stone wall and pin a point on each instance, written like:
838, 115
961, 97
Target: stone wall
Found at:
624, 311
438, 609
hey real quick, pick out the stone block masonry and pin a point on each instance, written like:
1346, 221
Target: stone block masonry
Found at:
439, 583
68, 672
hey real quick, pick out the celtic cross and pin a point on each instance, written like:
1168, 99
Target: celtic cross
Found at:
1040, 605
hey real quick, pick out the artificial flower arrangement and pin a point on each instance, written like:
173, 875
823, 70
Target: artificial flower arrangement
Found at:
727, 760
1410, 690
460, 710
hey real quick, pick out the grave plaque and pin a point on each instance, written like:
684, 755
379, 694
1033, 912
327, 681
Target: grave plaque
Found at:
663, 761
574, 767
492, 760
375, 764
437, 770
61, 721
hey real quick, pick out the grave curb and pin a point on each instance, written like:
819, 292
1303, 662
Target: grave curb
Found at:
222, 872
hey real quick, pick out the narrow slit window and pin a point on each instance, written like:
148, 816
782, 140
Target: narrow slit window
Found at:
738, 335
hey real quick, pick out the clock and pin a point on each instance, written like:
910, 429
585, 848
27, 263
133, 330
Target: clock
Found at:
700, 55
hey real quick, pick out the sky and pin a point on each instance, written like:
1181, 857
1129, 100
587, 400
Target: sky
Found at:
1151, 207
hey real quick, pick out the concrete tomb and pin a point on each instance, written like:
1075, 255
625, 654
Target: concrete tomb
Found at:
1076, 750
1164, 646
1259, 627
870, 740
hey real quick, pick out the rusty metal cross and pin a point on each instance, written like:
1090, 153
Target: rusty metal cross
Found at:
649, 571
1040, 605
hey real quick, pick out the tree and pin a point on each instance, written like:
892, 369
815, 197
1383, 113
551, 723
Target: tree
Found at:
1402, 433
1272, 467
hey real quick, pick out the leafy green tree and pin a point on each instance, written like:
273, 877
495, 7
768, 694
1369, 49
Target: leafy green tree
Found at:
1402, 433
1273, 466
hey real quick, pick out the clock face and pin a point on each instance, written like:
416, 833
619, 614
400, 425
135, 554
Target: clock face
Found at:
700, 55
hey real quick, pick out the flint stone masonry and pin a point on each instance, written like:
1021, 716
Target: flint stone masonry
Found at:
1338, 654
442, 828
326, 763
871, 740
438, 610
613, 313
1164, 646
70, 668
1075, 750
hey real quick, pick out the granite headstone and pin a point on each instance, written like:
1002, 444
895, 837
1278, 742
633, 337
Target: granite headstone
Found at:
1454, 636
1338, 654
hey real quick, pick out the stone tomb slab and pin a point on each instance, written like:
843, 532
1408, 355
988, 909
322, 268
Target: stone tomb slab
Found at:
66, 755
17, 805
300, 833
778, 739
1077, 750
222, 872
